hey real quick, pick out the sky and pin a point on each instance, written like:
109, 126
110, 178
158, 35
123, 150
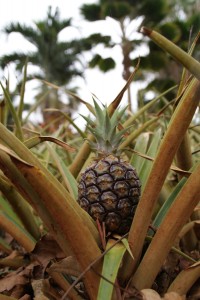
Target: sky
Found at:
104, 86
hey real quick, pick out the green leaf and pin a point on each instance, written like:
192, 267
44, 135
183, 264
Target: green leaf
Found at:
95, 61
16, 119
34, 141
114, 120
177, 53
119, 136
106, 64
126, 245
147, 165
68, 178
99, 112
22, 92
141, 146
147, 106
119, 9
6, 207
17, 231
88, 120
111, 264
165, 207
91, 12
107, 126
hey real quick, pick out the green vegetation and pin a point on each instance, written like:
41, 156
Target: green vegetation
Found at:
51, 248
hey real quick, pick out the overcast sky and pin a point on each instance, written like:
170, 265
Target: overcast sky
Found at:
104, 86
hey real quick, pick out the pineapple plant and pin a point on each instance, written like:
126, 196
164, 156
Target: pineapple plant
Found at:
109, 189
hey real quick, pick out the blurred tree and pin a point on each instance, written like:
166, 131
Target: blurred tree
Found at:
58, 62
55, 59
172, 18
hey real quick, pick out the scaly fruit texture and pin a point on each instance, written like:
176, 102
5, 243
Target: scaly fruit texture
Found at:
109, 189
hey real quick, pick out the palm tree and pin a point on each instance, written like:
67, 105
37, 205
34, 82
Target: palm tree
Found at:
124, 13
162, 15
56, 60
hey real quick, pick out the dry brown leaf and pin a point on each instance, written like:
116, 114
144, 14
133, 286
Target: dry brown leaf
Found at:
15, 278
18, 291
58, 142
11, 280
173, 168
37, 286
67, 265
47, 249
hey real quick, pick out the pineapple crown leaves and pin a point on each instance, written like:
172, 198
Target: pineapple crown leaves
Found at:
105, 130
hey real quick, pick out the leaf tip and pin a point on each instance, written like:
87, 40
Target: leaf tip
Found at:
146, 31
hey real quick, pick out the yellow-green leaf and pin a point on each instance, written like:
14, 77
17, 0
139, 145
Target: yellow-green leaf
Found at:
111, 264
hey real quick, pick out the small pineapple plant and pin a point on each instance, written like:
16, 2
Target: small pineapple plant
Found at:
109, 189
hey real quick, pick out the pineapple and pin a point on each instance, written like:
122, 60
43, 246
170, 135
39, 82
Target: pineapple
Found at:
109, 189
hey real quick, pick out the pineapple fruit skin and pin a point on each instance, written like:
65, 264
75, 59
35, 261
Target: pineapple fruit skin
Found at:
109, 190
